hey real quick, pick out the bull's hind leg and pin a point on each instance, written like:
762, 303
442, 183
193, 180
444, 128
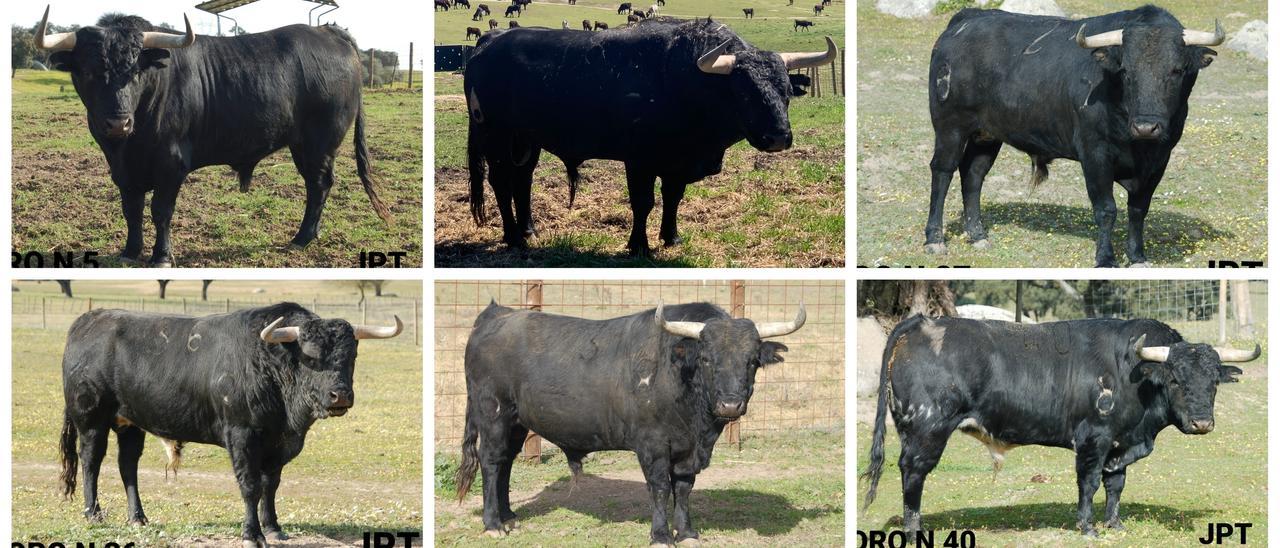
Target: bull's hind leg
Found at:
502, 179
948, 148
515, 443
978, 157
498, 446
316, 168
93, 447
640, 191
672, 193
131, 440
522, 193
921, 450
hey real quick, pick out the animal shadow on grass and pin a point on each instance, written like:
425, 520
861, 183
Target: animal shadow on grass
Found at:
620, 501
351, 534
1169, 236
559, 254
1053, 515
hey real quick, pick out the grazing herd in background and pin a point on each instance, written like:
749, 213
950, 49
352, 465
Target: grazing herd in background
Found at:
517, 8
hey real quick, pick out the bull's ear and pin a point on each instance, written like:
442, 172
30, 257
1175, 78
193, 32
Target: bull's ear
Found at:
1155, 372
799, 83
1226, 373
769, 352
61, 60
1108, 58
684, 355
154, 58
1206, 57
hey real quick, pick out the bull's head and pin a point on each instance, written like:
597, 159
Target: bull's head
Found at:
1156, 66
762, 90
1189, 374
727, 353
108, 65
327, 350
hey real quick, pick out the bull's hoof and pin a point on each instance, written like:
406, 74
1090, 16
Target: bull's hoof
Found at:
294, 247
673, 242
982, 244
1140, 265
1115, 525
130, 261
162, 263
495, 533
510, 525
659, 545
246, 543
138, 521
277, 535
935, 249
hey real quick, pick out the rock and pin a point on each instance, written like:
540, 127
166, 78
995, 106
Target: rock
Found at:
871, 341
1033, 7
1250, 39
909, 9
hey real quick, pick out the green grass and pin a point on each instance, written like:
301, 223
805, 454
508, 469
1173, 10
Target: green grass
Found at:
359, 472
803, 183
1210, 205
64, 200
779, 490
1169, 499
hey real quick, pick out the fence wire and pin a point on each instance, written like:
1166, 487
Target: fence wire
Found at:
805, 391
54, 312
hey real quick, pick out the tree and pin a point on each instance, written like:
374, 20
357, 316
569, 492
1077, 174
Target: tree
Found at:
23, 48
66, 287
164, 284
897, 300
204, 289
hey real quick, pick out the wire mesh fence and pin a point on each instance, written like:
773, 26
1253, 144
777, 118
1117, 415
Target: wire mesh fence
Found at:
1201, 310
52, 312
805, 391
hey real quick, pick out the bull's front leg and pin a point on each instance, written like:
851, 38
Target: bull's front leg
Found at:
1098, 180
1091, 453
245, 448
640, 191
657, 475
682, 485
132, 202
267, 514
672, 193
163, 202
1139, 203
1114, 482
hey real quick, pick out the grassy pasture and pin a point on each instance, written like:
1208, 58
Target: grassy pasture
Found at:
763, 210
357, 473
64, 200
1169, 499
1210, 205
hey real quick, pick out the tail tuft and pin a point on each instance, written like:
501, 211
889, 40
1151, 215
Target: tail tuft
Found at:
69, 457
475, 164
173, 456
362, 167
1039, 171
574, 178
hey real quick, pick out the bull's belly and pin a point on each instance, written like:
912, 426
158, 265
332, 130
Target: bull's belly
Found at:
168, 432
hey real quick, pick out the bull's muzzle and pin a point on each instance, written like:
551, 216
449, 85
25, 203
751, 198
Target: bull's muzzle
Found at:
776, 143
119, 128
1201, 426
340, 401
730, 409
1146, 130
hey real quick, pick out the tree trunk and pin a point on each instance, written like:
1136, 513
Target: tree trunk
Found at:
204, 289
164, 284
66, 287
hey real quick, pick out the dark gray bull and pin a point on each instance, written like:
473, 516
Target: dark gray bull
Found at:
662, 383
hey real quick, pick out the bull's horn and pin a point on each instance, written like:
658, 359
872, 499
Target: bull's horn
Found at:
1202, 38
1154, 353
272, 334
1102, 40
379, 332
56, 41
778, 329
811, 59
693, 330
1236, 355
169, 41
712, 62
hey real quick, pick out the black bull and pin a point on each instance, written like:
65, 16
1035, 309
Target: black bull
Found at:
162, 105
251, 381
1109, 92
662, 383
666, 98
1103, 388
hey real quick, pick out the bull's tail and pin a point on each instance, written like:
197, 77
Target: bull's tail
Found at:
70, 459
872, 474
173, 456
574, 178
362, 167
475, 164
470, 453
1039, 171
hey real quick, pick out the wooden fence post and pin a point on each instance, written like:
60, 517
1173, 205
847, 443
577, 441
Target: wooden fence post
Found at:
44, 323
737, 309
533, 301
410, 65
370, 67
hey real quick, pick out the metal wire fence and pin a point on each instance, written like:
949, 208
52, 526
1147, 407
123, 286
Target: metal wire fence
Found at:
53, 312
805, 391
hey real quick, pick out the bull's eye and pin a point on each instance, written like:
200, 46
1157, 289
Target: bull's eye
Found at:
1178, 71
